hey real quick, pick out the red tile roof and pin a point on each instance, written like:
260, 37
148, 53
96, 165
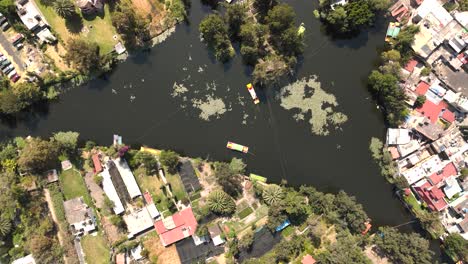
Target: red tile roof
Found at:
432, 195
120, 259
148, 198
431, 110
422, 88
448, 116
97, 163
184, 226
410, 65
308, 259
447, 171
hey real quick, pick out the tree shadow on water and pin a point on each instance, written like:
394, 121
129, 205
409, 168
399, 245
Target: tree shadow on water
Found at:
74, 24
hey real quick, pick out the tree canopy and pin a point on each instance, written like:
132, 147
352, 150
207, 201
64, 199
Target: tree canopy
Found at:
221, 203
38, 155
455, 245
215, 34
83, 55
170, 159
228, 179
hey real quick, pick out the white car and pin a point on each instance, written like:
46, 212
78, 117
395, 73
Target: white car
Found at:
13, 72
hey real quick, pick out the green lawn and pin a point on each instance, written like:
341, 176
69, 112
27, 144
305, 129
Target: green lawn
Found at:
176, 185
96, 249
287, 231
411, 200
73, 186
245, 212
98, 29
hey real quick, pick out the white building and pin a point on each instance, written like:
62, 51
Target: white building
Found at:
25, 260
127, 177
79, 216
398, 136
111, 192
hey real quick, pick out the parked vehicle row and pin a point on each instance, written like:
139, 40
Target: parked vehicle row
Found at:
8, 69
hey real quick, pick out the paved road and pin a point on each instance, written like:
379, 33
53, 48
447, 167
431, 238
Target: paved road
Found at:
12, 52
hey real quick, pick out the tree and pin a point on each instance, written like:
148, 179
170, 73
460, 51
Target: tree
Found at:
426, 71
380, 4
273, 194
235, 18
170, 159
252, 37
38, 155
147, 160
83, 55
403, 248
291, 43
285, 251
280, 18
215, 34
405, 40
9, 102
463, 5
132, 26
67, 140
359, 14
98, 179
5, 227
456, 246
338, 19
237, 166
229, 181
263, 6
391, 55
64, 8
27, 93
202, 230
276, 216
351, 212
420, 100
376, 147
345, 250
431, 221
246, 240
221, 203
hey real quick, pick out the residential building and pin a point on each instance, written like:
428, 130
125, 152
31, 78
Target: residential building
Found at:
431, 195
216, 234
33, 19
80, 217
150, 206
398, 136
90, 6
176, 227
111, 191
127, 177
138, 221
188, 176
308, 259
96, 163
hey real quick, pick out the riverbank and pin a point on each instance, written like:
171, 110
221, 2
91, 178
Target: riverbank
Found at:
132, 188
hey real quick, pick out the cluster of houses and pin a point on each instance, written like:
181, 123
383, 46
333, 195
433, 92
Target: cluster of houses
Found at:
430, 149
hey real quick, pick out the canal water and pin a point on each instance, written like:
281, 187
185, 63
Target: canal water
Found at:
138, 102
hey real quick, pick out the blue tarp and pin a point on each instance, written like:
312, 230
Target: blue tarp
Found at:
285, 224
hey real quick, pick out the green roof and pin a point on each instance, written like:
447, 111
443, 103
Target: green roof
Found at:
255, 177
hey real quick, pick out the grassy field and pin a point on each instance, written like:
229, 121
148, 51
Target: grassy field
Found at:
98, 29
245, 212
96, 249
73, 186
176, 186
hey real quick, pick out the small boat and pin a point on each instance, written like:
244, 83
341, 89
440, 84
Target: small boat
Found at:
392, 31
301, 30
253, 93
237, 147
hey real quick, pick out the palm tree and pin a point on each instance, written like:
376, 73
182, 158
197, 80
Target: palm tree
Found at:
64, 8
273, 194
220, 202
5, 227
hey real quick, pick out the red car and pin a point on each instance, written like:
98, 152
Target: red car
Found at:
15, 77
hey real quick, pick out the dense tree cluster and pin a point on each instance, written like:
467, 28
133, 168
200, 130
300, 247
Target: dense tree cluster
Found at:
347, 249
456, 246
229, 180
132, 27
14, 98
221, 203
403, 248
83, 55
38, 155
215, 34
352, 16
170, 159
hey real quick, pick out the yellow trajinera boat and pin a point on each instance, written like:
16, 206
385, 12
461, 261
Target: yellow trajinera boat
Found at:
237, 147
253, 93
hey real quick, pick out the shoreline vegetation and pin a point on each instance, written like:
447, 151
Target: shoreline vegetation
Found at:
333, 228
80, 54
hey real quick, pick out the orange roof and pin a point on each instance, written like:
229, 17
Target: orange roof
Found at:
120, 258
448, 116
422, 88
308, 259
431, 110
410, 65
182, 225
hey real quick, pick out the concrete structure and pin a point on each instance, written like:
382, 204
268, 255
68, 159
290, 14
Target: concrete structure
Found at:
25, 260
452, 187
127, 177
79, 216
150, 206
215, 234
398, 136
138, 222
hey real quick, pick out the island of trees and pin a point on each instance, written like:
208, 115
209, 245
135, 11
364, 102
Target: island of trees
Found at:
267, 33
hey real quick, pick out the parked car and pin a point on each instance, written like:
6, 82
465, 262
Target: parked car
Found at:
19, 46
5, 26
15, 77
2, 19
2, 58
8, 69
17, 39
13, 72
4, 63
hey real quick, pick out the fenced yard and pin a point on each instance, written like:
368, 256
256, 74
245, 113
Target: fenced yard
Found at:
96, 249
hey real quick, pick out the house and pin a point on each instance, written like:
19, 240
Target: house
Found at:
136, 253
120, 259
34, 21
138, 222
452, 187
398, 136
188, 176
176, 227
308, 259
79, 216
127, 177
25, 260
111, 191
96, 163
52, 176
215, 234
431, 195
150, 206
422, 169
448, 171
90, 6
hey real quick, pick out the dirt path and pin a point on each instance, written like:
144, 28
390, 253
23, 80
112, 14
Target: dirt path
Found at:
54, 217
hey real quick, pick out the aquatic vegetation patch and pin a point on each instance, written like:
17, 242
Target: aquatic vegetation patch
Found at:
211, 107
307, 96
178, 89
